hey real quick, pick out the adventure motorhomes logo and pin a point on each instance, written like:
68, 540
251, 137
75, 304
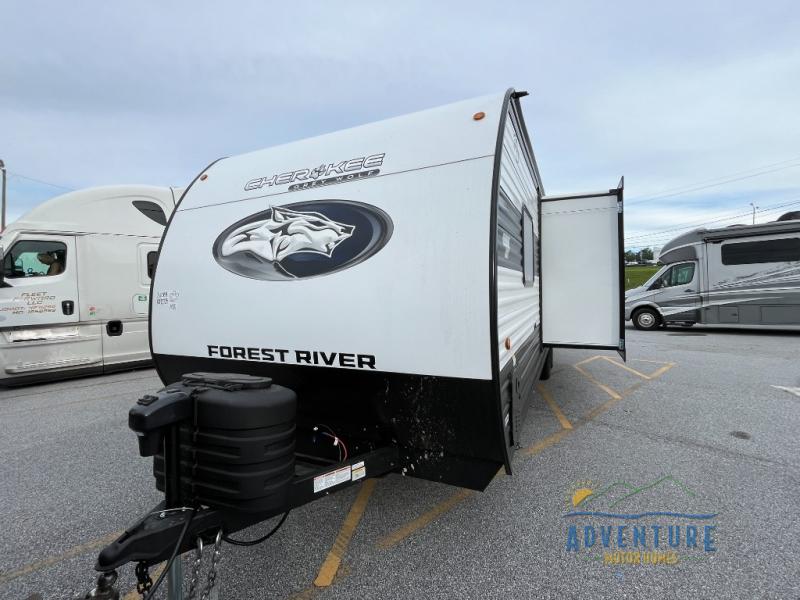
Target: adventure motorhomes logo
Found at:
343, 171
624, 524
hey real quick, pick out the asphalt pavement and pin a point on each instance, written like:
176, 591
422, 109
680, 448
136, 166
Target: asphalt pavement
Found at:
693, 440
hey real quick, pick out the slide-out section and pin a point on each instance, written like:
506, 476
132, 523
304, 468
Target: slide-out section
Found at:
583, 271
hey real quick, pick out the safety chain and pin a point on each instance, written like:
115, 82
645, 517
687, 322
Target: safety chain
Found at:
143, 581
194, 579
212, 574
211, 579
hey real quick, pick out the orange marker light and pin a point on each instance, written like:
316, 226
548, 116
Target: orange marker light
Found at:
478, 116
508, 344
203, 177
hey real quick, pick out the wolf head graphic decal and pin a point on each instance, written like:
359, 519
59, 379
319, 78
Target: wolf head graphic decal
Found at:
286, 232
303, 239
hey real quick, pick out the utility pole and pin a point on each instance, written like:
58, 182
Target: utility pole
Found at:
3, 208
754, 212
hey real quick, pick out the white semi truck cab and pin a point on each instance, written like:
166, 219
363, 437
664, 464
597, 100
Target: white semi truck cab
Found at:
75, 282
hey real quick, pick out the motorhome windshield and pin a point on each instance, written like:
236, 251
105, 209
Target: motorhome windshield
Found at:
655, 277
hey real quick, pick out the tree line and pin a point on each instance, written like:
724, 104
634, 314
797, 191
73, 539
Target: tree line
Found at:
643, 254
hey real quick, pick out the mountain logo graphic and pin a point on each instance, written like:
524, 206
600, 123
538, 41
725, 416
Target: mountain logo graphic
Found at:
610, 501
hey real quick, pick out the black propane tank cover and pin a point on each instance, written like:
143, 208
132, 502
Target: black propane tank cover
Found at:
232, 380
239, 446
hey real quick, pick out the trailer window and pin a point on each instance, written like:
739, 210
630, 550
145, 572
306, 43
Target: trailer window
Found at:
151, 263
528, 248
33, 258
748, 253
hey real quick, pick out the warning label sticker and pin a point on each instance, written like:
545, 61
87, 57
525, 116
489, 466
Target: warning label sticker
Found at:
323, 482
359, 471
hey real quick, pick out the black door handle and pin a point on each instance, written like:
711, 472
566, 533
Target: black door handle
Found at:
114, 328
689, 290
68, 307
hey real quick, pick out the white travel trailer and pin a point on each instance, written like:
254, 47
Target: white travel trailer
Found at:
381, 299
74, 293
407, 278
744, 275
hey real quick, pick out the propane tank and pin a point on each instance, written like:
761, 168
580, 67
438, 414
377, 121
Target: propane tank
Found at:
237, 439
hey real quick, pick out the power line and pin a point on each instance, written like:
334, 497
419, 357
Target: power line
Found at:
717, 181
657, 238
734, 174
721, 217
55, 185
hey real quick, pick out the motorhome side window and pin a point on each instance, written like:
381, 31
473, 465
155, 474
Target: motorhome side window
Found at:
528, 248
748, 253
33, 258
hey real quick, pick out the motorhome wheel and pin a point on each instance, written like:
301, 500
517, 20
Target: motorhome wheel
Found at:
646, 319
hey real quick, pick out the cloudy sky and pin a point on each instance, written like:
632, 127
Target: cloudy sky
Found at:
696, 103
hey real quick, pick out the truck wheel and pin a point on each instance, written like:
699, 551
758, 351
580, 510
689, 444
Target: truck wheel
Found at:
548, 365
646, 319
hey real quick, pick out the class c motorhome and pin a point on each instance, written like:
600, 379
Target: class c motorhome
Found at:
408, 279
74, 293
743, 275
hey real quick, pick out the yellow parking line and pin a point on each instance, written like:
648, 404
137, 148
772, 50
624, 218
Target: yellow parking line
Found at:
586, 361
625, 367
71, 553
666, 366
599, 384
424, 519
537, 447
554, 407
330, 567
661, 371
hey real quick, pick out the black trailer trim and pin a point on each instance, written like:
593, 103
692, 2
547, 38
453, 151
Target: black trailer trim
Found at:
581, 346
621, 250
580, 196
495, 354
380, 413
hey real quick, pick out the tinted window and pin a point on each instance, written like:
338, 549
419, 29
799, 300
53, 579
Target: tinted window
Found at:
528, 248
151, 263
747, 253
33, 258
151, 210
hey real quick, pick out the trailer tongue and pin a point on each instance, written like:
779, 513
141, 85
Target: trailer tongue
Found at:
319, 325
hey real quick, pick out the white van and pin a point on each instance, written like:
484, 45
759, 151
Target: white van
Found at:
75, 283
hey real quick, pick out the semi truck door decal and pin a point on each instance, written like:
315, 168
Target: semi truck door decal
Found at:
303, 239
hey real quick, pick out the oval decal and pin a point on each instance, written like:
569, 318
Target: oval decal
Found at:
303, 239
